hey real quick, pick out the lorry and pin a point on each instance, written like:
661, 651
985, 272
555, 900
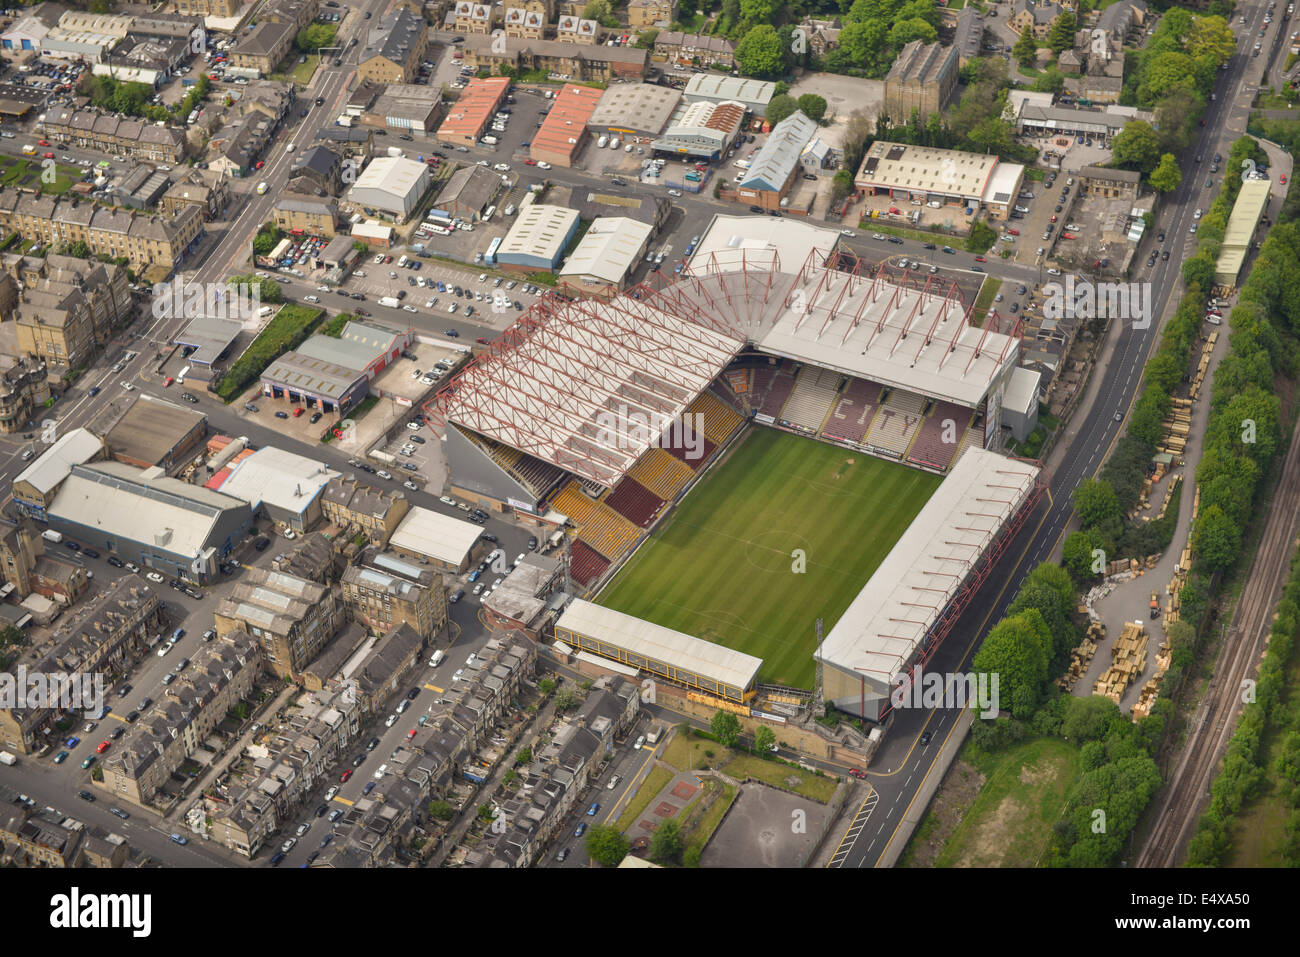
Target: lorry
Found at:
7, 758
50, 535
392, 302
489, 141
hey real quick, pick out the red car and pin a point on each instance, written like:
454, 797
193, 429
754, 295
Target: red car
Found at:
530, 162
980, 259
481, 340
345, 776
857, 773
168, 381
1053, 219
1014, 232
42, 142
48, 156
103, 746
894, 209
298, 411
259, 164
1068, 236
1282, 179
410, 734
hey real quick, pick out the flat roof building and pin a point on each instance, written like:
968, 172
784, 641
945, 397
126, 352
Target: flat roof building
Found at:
35, 486
156, 432
768, 179
314, 382
285, 485
538, 237
208, 337
1252, 201
445, 541
640, 111
468, 192
182, 530
937, 175
391, 184
562, 133
703, 128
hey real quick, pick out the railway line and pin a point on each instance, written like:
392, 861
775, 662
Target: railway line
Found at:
1183, 798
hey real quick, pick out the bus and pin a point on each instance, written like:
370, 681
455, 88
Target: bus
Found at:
490, 257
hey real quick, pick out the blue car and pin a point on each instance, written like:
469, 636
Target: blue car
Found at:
442, 287
370, 786
591, 811
94, 390
474, 575
180, 839
581, 830
73, 742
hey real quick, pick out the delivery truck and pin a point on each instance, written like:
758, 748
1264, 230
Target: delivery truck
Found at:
50, 535
392, 302
7, 758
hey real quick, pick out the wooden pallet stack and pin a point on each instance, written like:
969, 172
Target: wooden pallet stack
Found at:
1169, 494
1198, 380
1151, 690
1081, 657
1128, 660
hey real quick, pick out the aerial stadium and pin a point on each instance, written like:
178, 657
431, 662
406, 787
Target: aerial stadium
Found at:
780, 436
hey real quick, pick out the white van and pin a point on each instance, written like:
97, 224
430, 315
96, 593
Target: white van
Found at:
489, 213
600, 143
180, 376
401, 263
312, 299
437, 659
261, 189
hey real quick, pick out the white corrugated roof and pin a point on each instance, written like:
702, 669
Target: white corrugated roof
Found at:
609, 249
439, 536
879, 632
644, 638
277, 478
53, 465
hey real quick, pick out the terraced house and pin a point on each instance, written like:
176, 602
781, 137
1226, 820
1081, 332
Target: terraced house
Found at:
24, 387
106, 634
291, 617
118, 135
143, 239
600, 63
264, 48
69, 306
309, 214
222, 675
385, 591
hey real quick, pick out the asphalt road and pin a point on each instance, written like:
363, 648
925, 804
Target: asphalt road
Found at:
902, 765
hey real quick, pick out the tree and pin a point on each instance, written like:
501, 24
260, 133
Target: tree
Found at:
441, 810
565, 699
1135, 147
725, 727
1076, 554
312, 38
764, 738
1026, 49
1166, 177
1088, 719
524, 756
1051, 80
666, 844
760, 53
1017, 649
645, 40
1216, 539
546, 686
1061, 36
813, 106
756, 11
779, 107
981, 237
606, 845
1095, 502
1210, 37
905, 31
862, 46
596, 10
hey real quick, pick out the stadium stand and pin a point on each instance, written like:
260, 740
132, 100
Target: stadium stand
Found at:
692, 457
634, 502
928, 448
585, 565
892, 430
852, 415
973, 437
720, 419
662, 474
777, 393
602, 528
531, 472
810, 402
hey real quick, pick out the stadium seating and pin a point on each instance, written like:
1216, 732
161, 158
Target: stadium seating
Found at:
810, 402
634, 501
780, 389
720, 419
662, 474
598, 525
893, 429
852, 415
973, 437
694, 458
929, 448
908, 402
585, 565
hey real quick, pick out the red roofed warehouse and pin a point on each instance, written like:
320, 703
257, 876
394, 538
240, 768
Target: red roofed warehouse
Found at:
469, 116
561, 136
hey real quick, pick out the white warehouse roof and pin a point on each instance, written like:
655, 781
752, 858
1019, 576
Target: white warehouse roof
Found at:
278, 479
648, 640
539, 231
441, 537
76, 447
609, 249
883, 627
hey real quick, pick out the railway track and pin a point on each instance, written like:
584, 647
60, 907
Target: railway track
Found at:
1216, 717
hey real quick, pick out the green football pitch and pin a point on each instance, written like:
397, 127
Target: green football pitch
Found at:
784, 532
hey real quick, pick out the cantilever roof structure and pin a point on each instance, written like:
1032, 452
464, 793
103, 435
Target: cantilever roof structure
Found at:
565, 382
882, 629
